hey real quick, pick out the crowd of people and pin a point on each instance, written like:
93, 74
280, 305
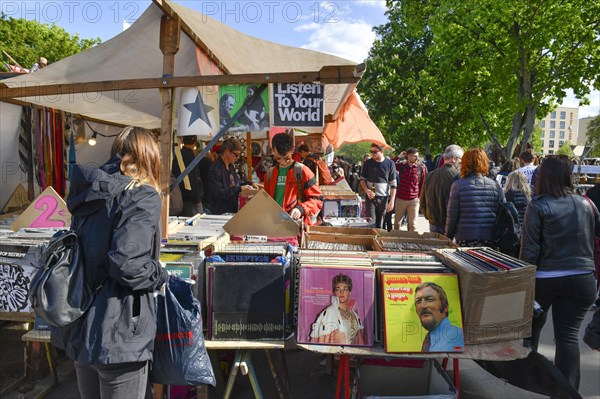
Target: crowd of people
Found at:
459, 197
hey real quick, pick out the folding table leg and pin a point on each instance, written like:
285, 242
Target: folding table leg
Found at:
252, 375
233, 373
284, 374
456, 376
274, 374
343, 377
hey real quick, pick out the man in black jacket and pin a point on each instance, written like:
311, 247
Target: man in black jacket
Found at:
436, 189
224, 182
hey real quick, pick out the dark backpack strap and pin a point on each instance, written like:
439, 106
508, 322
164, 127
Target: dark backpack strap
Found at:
298, 175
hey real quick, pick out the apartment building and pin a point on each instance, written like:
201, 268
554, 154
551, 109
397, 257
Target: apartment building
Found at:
558, 127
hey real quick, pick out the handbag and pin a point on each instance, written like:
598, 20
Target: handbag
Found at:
180, 356
58, 292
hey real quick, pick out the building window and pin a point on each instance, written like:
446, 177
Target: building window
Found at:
553, 114
552, 124
561, 134
543, 131
552, 133
551, 144
560, 144
550, 152
563, 115
562, 124
542, 124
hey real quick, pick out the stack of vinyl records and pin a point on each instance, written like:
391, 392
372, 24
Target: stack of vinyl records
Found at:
337, 242
402, 244
17, 253
335, 300
481, 260
246, 291
408, 262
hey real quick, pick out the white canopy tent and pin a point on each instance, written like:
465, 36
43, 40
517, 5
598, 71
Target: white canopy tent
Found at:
134, 54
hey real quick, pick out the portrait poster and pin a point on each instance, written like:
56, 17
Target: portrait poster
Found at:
256, 116
345, 318
404, 329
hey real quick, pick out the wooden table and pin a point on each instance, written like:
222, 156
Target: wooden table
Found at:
242, 363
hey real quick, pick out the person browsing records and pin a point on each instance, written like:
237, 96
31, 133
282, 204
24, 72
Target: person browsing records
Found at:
291, 184
223, 180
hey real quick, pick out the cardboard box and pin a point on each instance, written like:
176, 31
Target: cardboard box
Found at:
362, 231
411, 234
404, 379
262, 216
497, 306
367, 241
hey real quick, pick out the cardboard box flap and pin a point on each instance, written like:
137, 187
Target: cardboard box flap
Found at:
262, 216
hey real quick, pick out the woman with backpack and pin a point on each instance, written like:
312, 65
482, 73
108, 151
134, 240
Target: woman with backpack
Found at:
116, 211
518, 192
558, 237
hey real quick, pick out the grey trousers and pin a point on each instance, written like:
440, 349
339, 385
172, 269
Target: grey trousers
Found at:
114, 381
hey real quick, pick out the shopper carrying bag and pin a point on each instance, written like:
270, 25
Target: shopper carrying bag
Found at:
180, 356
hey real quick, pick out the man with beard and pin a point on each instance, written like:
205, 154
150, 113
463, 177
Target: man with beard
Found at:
431, 305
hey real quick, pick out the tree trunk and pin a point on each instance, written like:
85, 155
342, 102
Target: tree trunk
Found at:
530, 114
514, 135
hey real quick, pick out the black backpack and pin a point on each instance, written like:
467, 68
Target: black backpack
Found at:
507, 234
58, 291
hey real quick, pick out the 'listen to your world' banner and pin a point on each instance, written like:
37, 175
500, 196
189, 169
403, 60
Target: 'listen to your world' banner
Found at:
297, 105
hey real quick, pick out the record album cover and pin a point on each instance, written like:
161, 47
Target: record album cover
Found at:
422, 312
336, 306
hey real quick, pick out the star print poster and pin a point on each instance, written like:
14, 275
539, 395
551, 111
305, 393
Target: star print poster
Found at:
198, 107
422, 312
255, 117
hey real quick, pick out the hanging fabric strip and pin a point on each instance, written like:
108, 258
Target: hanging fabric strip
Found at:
42, 165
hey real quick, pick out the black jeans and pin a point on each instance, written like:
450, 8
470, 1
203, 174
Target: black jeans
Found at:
569, 298
375, 209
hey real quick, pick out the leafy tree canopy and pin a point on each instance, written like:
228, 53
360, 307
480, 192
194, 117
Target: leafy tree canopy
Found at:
445, 71
26, 41
354, 152
593, 135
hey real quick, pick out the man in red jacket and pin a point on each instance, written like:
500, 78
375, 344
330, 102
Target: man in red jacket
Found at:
291, 184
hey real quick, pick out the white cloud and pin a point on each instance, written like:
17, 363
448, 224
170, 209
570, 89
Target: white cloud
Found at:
592, 109
347, 39
373, 3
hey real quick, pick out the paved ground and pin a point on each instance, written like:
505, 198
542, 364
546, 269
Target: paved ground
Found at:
310, 377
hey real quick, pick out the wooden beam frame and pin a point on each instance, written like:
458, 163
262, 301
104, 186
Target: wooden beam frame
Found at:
326, 75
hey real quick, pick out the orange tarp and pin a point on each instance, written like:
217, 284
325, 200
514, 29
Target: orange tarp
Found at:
353, 125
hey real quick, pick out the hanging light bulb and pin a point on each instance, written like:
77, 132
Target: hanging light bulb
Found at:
92, 140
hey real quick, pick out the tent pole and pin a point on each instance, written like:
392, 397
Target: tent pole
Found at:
249, 154
169, 45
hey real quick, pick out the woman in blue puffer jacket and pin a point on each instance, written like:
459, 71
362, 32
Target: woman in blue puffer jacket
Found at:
473, 203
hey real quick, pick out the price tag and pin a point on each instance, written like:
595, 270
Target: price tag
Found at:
250, 238
47, 210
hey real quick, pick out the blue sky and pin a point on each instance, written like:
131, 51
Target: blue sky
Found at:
341, 27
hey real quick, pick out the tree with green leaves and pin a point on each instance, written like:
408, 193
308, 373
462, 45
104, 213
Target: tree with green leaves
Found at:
593, 136
565, 150
354, 152
27, 40
488, 66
